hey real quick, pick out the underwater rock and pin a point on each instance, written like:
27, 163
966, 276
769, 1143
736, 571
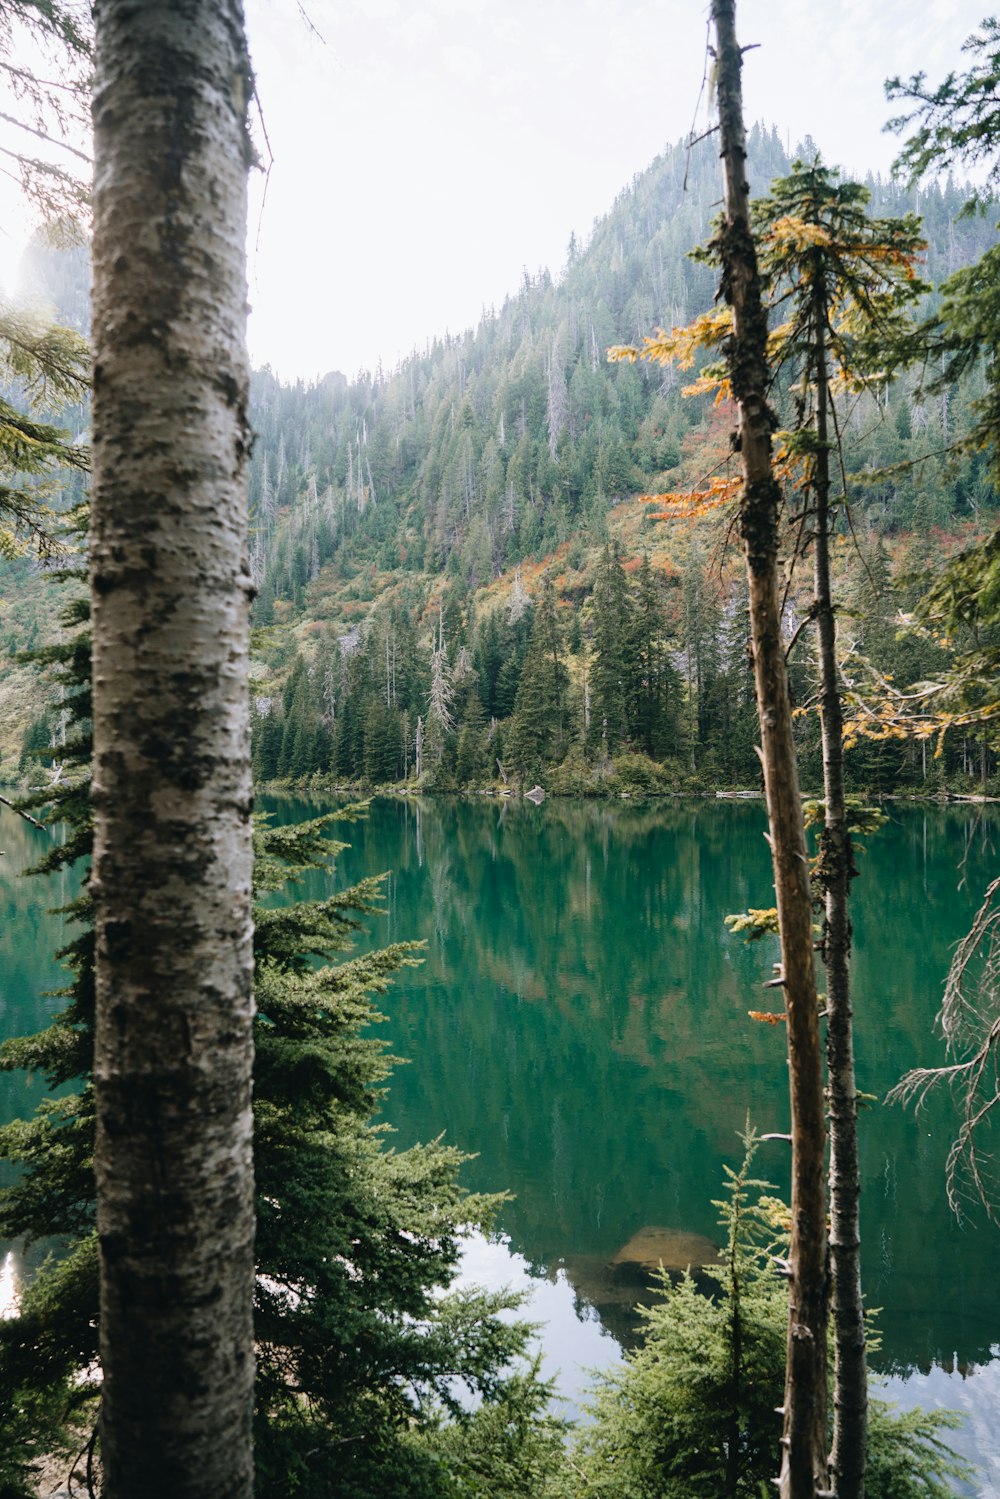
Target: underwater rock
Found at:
618, 1289
673, 1248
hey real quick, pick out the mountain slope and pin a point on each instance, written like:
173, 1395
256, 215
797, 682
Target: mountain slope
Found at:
419, 511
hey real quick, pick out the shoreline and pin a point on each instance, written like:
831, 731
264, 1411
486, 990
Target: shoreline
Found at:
365, 791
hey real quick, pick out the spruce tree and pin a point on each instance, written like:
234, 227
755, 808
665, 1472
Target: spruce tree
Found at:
382, 756
653, 686
537, 734
266, 746
471, 751
612, 637
845, 283
348, 739
363, 1351
694, 1411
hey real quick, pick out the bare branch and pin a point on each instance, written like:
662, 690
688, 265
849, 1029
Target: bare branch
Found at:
26, 815
43, 135
970, 1021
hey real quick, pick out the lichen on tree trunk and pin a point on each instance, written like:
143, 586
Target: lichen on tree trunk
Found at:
803, 1470
171, 789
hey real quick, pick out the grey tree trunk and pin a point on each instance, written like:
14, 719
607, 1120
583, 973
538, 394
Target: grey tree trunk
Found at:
803, 1468
172, 796
848, 1456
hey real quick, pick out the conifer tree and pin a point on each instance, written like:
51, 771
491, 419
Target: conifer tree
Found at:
652, 680
46, 100
348, 738
382, 743
957, 124
50, 366
470, 752
440, 696
740, 328
359, 1339
537, 732
700, 639
612, 637
54, 1335
690, 1414
731, 709
844, 283
266, 741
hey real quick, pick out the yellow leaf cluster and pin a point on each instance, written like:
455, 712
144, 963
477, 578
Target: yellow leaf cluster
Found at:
889, 255
896, 719
705, 385
754, 922
776, 340
680, 345
794, 233
689, 505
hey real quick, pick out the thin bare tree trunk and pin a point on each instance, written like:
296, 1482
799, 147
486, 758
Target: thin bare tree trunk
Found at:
803, 1468
848, 1456
172, 857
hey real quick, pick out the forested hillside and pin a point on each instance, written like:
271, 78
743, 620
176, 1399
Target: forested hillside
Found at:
406, 524
457, 581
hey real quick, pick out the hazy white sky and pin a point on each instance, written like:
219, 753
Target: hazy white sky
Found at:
426, 150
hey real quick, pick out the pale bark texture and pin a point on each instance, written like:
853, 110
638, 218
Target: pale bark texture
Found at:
172, 857
803, 1469
848, 1455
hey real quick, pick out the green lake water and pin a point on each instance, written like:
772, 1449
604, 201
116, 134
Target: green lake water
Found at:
580, 1023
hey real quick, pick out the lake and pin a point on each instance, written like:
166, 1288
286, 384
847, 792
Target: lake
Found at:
580, 1024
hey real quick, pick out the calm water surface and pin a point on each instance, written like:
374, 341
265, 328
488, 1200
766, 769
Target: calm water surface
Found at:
580, 1023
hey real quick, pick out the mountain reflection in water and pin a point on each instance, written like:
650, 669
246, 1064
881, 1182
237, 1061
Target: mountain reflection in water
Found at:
581, 1024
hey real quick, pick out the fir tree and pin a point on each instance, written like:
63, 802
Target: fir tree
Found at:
266, 738
612, 637
652, 680
537, 732
382, 755
362, 1349
470, 753
845, 283
693, 1413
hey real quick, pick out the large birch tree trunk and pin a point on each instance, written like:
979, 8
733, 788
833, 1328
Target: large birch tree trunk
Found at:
172, 857
803, 1469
